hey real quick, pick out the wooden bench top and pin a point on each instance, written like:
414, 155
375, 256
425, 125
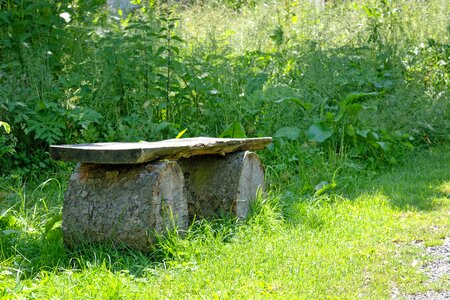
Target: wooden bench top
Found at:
135, 153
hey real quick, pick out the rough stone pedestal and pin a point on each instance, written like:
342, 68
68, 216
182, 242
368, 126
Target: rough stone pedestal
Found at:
124, 204
222, 184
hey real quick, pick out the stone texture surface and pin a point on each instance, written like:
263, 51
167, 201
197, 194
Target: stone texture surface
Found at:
136, 153
124, 204
222, 184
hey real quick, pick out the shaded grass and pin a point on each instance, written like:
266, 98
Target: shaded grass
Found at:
354, 246
421, 184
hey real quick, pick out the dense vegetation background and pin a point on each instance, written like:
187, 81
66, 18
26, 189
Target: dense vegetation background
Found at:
346, 91
360, 81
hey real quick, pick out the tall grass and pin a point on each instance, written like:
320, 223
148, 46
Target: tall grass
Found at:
258, 56
360, 244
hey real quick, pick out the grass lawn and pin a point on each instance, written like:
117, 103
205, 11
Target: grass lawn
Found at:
358, 243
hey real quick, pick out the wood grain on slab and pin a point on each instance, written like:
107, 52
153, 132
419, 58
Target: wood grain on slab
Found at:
135, 153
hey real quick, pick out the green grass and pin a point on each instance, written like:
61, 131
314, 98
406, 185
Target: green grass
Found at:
358, 239
358, 242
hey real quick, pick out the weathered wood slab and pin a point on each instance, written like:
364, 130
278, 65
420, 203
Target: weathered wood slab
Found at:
135, 153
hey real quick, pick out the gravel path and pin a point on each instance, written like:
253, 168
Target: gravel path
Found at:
435, 269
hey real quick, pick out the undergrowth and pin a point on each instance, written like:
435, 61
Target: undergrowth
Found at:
320, 81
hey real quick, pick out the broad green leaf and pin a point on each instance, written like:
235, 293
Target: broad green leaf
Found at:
383, 145
324, 187
177, 38
351, 131
160, 50
352, 97
305, 106
353, 108
50, 224
9, 231
6, 126
291, 133
319, 133
162, 126
84, 116
175, 49
375, 135
362, 132
235, 130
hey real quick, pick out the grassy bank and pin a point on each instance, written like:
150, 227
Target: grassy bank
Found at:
357, 244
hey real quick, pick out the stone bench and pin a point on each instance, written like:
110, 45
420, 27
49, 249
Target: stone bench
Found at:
126, 193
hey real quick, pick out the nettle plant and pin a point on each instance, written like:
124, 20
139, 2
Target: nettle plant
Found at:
137, 77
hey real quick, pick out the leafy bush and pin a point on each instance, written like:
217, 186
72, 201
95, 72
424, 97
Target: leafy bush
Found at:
76, 72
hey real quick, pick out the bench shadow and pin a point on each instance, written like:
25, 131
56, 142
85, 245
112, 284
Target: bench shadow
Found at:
421, 183
171, 250
48, 253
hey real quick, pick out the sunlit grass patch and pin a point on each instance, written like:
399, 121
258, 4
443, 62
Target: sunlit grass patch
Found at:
353, 242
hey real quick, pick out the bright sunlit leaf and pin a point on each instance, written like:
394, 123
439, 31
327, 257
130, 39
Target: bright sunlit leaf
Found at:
6, 126
180, 134
65, 16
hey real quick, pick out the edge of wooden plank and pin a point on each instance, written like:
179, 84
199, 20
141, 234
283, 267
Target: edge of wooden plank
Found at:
150, 151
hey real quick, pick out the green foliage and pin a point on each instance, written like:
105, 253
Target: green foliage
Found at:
292, 133
74, 72
339, 123
235, 130
238, 4
382, 21
319, 133
34, 35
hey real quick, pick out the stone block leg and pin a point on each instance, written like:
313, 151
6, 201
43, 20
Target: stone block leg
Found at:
222, 184
124, 204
